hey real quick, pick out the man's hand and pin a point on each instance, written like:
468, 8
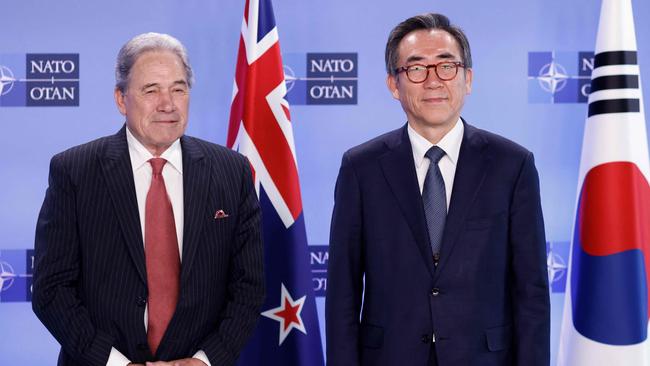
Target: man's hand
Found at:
183, 362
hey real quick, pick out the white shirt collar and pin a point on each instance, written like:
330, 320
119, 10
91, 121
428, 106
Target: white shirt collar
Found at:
450, 143
140, 155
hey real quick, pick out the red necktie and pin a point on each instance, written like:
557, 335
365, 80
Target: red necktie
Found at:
161, 252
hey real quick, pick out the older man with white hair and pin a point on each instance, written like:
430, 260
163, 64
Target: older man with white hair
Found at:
148, 244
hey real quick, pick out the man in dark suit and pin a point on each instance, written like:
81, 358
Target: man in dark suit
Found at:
148, 244
437, 249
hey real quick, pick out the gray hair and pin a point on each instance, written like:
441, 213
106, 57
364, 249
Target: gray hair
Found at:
425, 21
145, 42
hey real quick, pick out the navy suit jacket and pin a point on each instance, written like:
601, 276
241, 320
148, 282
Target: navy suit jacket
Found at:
90, 282
486, 303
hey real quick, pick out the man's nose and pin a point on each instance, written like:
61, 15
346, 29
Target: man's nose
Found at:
432, 80
166, 102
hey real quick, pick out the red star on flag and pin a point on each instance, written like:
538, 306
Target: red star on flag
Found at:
287, 314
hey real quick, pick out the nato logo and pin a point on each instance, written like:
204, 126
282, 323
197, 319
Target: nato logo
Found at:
39, 80
321, 78
559, 77
318, 258
557, 257
16, 269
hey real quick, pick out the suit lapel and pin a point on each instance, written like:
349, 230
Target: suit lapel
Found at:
196, 182
118, 173
399, 170
473, 163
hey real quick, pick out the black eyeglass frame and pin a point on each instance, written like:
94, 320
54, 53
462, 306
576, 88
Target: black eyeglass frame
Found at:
405, 69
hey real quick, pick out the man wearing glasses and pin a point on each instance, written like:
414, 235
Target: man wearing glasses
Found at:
437, 248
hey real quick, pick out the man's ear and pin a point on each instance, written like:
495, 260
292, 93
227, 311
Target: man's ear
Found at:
391, 83
469, 75
119, 101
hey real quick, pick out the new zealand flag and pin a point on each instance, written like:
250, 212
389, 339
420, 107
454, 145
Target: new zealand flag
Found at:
260, 128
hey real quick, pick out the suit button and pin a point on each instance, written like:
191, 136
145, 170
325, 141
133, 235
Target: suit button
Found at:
143, 346
142, 301
426, 339
435, 291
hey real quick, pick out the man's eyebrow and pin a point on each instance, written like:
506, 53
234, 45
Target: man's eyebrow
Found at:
149, 85
177, 82
414, 58
444, 55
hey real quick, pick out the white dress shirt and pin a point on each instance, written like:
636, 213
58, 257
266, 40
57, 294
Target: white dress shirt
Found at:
450, 143
173, 176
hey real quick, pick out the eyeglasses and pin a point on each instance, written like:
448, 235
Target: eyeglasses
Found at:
446, 70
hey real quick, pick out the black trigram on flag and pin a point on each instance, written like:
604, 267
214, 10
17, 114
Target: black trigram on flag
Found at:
616, 78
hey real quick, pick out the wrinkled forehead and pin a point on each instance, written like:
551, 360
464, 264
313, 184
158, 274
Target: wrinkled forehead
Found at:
158, 64
428, 44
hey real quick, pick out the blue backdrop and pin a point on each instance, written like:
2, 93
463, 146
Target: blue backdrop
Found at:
513, 43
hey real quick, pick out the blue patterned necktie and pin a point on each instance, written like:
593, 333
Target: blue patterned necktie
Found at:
435, 200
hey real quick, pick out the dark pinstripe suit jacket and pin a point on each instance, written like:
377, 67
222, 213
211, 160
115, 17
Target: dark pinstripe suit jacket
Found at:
90, 285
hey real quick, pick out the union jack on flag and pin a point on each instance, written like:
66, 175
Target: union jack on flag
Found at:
260, 128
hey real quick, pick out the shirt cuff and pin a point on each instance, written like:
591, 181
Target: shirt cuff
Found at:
202, 356
116, 358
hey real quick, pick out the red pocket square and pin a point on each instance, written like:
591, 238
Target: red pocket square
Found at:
220, 214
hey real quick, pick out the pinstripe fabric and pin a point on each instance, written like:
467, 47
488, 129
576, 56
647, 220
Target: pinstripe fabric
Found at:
90, 286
